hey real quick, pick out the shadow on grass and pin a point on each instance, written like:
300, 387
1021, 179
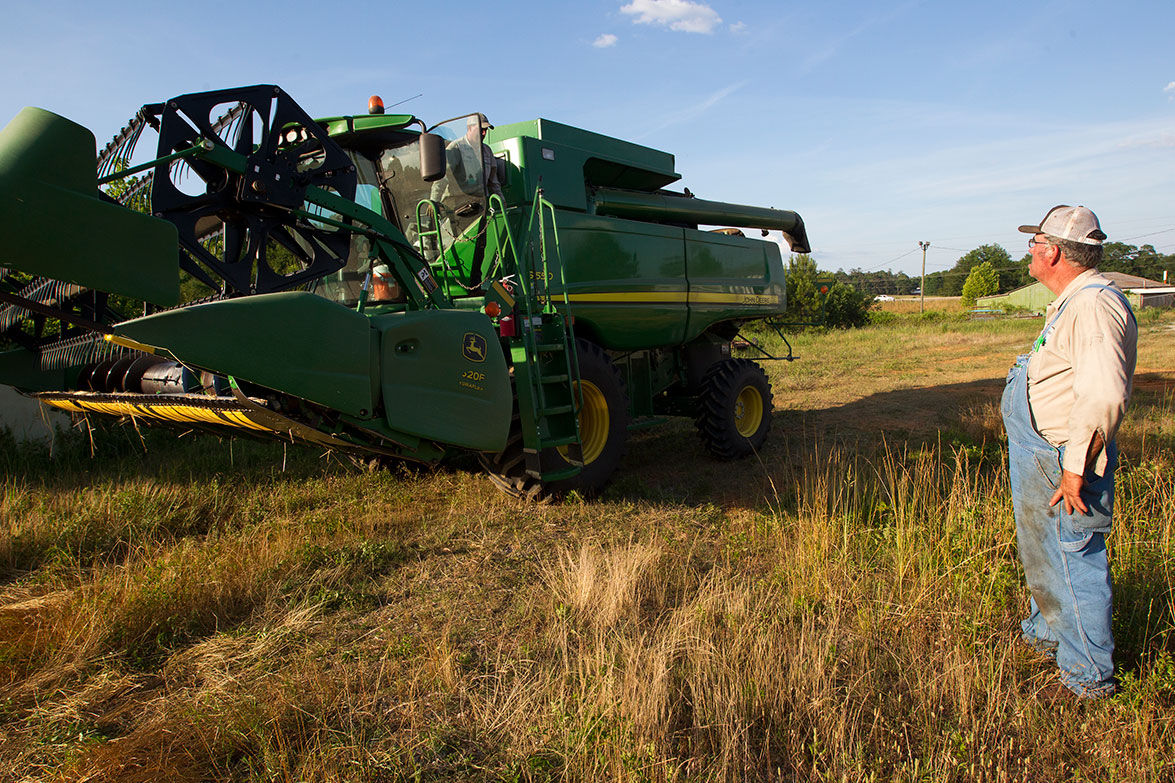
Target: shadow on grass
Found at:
665, 465
109, 450
905, 419
670, 463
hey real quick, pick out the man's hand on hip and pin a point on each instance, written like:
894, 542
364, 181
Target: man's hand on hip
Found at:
1070, 491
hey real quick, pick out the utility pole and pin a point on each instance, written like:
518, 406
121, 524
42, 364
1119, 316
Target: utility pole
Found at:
922, 290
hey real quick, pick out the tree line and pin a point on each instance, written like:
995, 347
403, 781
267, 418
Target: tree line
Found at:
1143, 261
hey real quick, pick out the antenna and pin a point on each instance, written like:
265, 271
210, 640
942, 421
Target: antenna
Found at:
414, 97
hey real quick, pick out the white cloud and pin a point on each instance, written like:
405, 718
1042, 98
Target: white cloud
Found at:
1170, 89
738, 27
681, 15
1158, 140
604, 41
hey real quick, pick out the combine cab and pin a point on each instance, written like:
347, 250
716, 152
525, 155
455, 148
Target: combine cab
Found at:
373, 285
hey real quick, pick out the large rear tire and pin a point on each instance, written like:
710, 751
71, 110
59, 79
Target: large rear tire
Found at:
603, 428
734, 408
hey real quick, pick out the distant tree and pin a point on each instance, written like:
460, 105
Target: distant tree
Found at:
1017, 276
1118, 257
846, 307
841, 305
994, 255
803, 291
982, 281
1142, 261
934, 284
877, 282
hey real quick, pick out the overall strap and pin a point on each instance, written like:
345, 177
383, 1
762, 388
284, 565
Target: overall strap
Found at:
1043, 332
1113, 290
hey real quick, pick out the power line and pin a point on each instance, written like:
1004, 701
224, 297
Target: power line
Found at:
887, 263
1151, 234
930, 246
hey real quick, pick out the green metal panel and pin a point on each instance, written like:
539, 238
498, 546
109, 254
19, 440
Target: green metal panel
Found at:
731, 277
563, 159
294, 342
54, 224
635, 285
443, 376
22, 369
657, 165
626, 280
1034, 296
361, 123
664, 206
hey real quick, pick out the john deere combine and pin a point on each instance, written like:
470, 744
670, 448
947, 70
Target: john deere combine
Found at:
369, 284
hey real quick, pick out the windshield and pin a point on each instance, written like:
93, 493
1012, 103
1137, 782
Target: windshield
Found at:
390, 184
344, 285
460, 196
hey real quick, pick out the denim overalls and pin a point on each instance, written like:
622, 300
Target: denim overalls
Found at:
1064, 555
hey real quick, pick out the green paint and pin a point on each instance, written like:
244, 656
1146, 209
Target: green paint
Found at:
22, 369
55, 225
584, 228
293, 342
443, 377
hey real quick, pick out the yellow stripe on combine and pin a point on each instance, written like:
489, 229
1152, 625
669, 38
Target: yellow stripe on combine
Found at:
697, 297
677, 297
182, 414
127, 342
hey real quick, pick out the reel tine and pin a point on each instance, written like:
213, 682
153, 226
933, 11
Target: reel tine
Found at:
72, 352
9, 315
82, 352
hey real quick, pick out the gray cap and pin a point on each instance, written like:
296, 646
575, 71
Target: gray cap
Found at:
1077, 224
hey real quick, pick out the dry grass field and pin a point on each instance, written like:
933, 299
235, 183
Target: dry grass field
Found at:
915, 304
842, 607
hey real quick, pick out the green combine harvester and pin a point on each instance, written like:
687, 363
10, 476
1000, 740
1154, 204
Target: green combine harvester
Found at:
376, 286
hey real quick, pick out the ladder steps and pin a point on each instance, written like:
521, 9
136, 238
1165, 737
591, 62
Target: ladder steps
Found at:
558, 409
556, 442
543, 357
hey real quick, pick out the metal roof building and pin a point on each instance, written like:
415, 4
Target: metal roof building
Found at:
1140, 292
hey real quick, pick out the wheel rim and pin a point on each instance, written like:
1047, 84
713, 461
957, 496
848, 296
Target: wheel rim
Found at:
594, 423
748, 411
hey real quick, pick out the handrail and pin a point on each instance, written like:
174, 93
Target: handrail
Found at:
435, 232
535, 297
545, 206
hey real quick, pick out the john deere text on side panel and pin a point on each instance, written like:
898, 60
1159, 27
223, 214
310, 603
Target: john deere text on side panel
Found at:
444, 377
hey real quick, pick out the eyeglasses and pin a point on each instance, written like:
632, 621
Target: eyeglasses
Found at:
1034, 242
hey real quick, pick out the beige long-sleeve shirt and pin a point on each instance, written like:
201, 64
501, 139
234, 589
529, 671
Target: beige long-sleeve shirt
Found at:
1079, 380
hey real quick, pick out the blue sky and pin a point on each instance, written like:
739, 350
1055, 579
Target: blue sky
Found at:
881, 124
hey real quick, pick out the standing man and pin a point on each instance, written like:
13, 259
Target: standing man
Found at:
472, 164
1061, 407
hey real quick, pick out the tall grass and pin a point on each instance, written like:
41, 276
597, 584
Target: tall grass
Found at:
846, 611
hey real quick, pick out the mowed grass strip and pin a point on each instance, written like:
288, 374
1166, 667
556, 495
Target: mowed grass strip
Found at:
841, 607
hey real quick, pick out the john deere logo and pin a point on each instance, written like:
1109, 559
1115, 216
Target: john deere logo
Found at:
473, 347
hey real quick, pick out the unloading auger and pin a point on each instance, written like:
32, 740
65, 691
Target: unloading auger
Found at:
350, 282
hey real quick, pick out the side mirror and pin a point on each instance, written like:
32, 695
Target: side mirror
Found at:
432, 157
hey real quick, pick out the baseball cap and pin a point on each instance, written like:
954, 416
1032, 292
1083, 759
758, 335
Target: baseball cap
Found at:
484, 121
1077, 224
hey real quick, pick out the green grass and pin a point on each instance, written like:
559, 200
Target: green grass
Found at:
842, 607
